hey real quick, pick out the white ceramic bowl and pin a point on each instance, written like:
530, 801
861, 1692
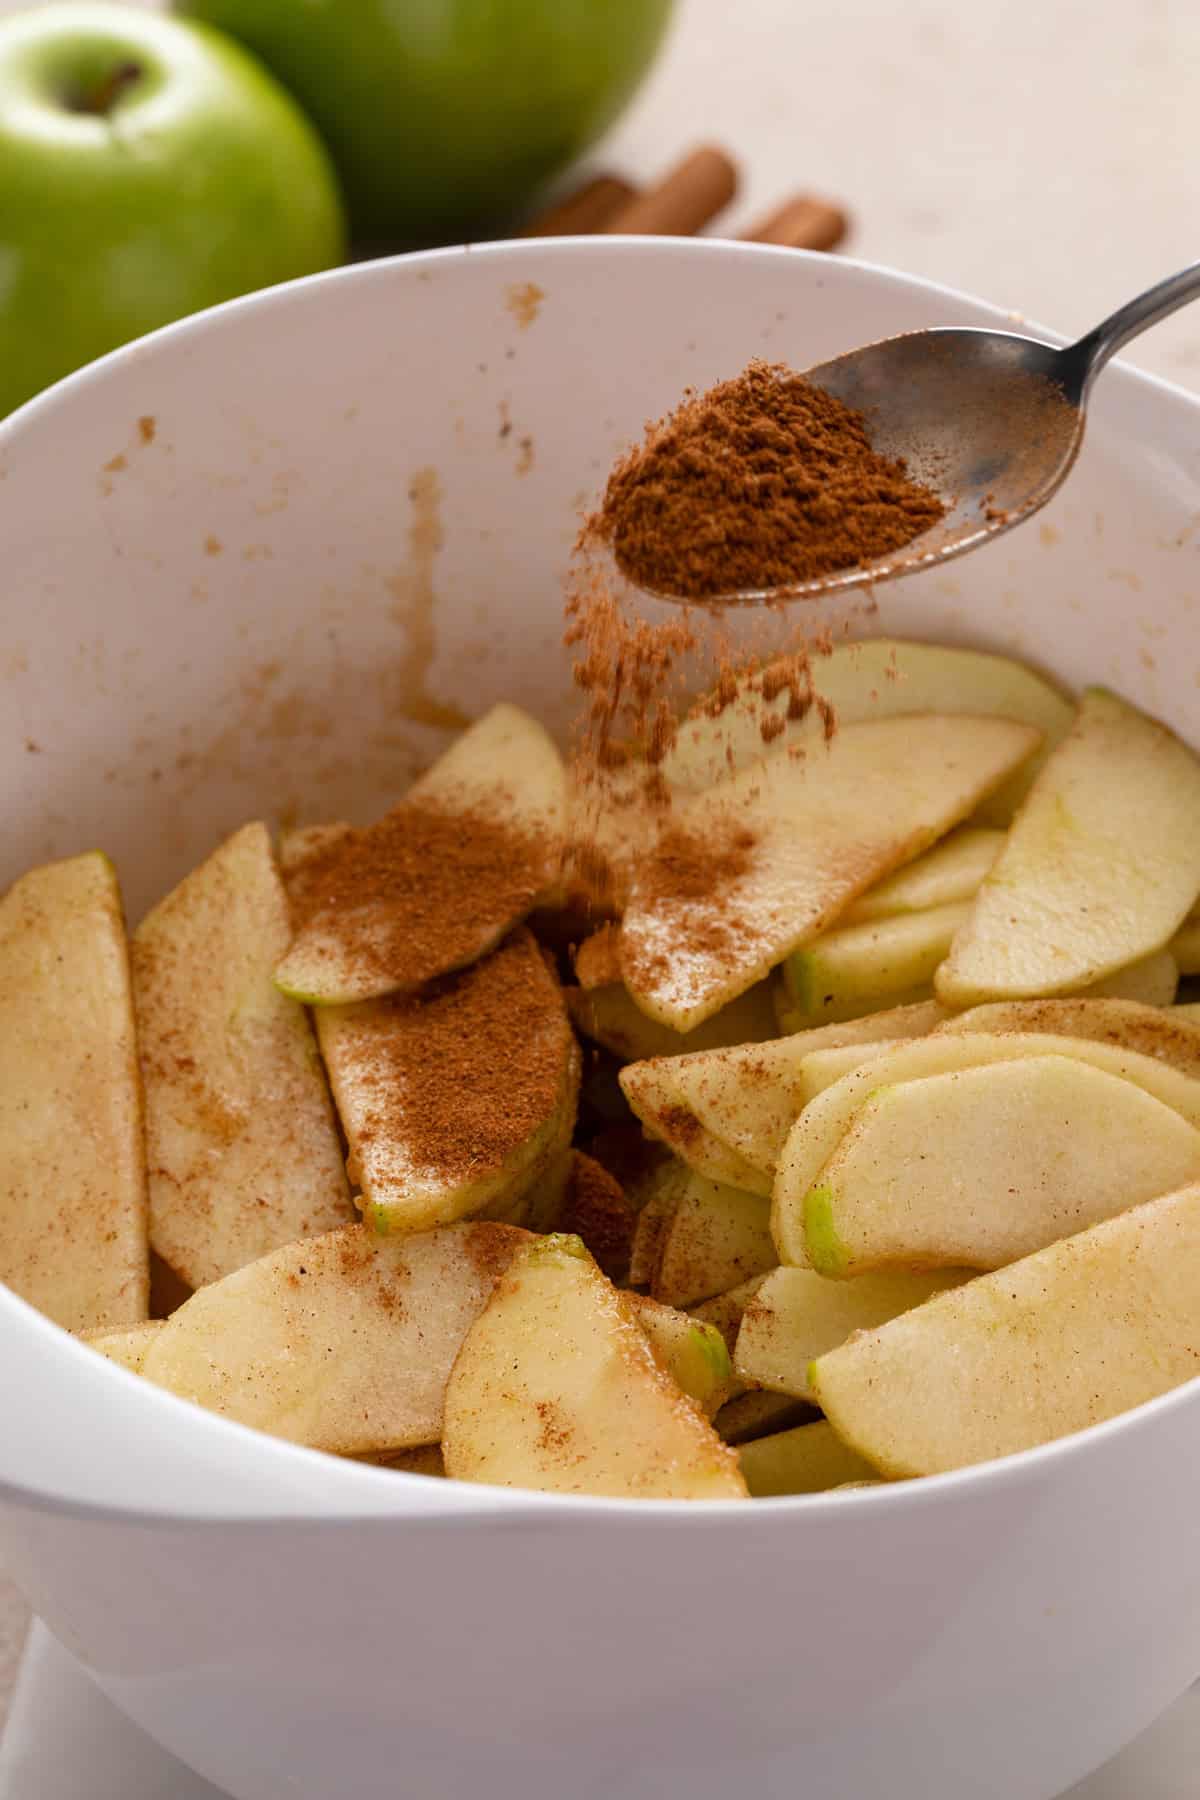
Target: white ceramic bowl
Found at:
238, 608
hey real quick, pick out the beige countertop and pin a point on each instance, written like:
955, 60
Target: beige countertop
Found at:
1049, 161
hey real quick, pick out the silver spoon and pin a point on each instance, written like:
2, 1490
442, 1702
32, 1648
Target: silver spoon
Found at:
991, 421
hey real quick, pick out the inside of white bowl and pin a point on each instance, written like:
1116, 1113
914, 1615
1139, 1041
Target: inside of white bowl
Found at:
259, 564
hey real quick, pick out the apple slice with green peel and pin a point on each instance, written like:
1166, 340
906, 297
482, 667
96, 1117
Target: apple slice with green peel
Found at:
808, 1459
1077, 1333
733, 1108
610, 1016
1150, 1030
434, 885
127, 1346
716, 1237
951, 871
757, 1413
762, 864
797, 1315
458, 1098
694, 1353
242, 1143
72, 1161
556, 1387
857, 969
979, 1168
827, 1118
1101, 867
726, 1311
875, 679
343, 1342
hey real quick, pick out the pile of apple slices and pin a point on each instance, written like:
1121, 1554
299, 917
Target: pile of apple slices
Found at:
901, 1171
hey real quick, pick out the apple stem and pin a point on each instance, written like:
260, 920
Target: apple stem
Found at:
103, 98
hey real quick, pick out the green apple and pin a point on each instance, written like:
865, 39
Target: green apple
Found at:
451, 112
147, 169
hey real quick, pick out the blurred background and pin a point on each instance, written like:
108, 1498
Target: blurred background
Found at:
1047, 159
1050, 166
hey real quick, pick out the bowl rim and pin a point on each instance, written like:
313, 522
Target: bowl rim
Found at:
356, 1489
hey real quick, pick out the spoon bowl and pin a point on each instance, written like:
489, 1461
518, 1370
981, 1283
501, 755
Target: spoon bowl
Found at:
989, 420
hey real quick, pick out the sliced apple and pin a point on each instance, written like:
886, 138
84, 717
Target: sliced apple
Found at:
797, 1315
610, 1016
858, 969
823, 1067
766, 861
808, 1459
1150, 1030
128, 1346
693, 1352
733, 1108
343, 1342
579, 1196
72, 1163
756, 1413
442, 878
243, 1148
556, 1387
727, 1310
662, 1193
951, 871
1185, 947
716, 1237
1152, 979
1101, 867
457, 1098
1077, 1333
979, 1168
665, 1109
824, 1122
875, 679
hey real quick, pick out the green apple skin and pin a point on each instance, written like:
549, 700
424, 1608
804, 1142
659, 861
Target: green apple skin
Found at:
148, 168
445, 115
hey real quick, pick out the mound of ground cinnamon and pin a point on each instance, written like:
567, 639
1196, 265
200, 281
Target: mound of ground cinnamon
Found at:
763, 482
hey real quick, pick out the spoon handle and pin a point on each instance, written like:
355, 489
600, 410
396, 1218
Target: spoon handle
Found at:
1092, 352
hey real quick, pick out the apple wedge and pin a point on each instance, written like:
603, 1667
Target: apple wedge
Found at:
242, 1144
808, 1459
763, 863
72, 1162
857, 969
1150, 1030
716, 1237
726, 1311
731, 1109
694, 1354
127, 1346
441, 879
343, 1342
979, 1168
1077, 1333
610, 1017
951, 871
457, 1098
1101, 867
797, 1315
821, 1068
757, 1413
556, 1387
826, 1119
877, 678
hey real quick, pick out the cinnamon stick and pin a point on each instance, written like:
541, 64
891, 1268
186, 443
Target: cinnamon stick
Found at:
801, 223
693, 193
584, 210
